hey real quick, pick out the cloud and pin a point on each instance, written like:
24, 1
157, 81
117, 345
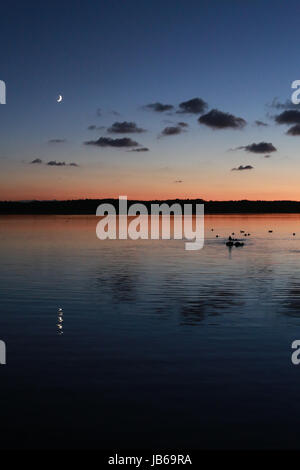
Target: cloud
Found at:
159, 107
125, 127
92, 127
261, 147
183, 124
261, 124
178, 181
242, 168
277, 105
55, 163
193, 106
56, 141
142, 149
288, 117
173, 130
99, 112
108, 142
294, 130
267, 156
218, 120
164, 169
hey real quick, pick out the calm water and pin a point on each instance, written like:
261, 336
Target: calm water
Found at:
159, 347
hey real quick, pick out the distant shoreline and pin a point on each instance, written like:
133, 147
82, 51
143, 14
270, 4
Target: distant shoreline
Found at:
89, 206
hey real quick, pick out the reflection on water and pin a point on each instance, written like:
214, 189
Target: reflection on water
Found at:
291, 303
164, 347
60, 320
122, 285
210, 303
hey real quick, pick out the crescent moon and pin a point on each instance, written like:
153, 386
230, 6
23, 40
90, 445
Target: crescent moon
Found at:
59, 99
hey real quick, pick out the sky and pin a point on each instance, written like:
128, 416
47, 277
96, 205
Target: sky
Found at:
161, 99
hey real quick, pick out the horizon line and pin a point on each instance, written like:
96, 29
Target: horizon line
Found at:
24, 201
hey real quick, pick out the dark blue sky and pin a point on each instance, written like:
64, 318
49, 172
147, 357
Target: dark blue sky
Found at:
120, 55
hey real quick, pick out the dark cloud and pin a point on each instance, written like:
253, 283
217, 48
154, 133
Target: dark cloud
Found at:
267, 156
173, 130
261, 147
159, 107
108, 142
125, 127
242, 167
193, 106
142, 149
294, 130
92, 127
183, 124
56, 141
261, 124
55, 163
288, 117
218, 120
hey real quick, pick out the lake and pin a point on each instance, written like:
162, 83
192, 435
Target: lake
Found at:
156, 346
